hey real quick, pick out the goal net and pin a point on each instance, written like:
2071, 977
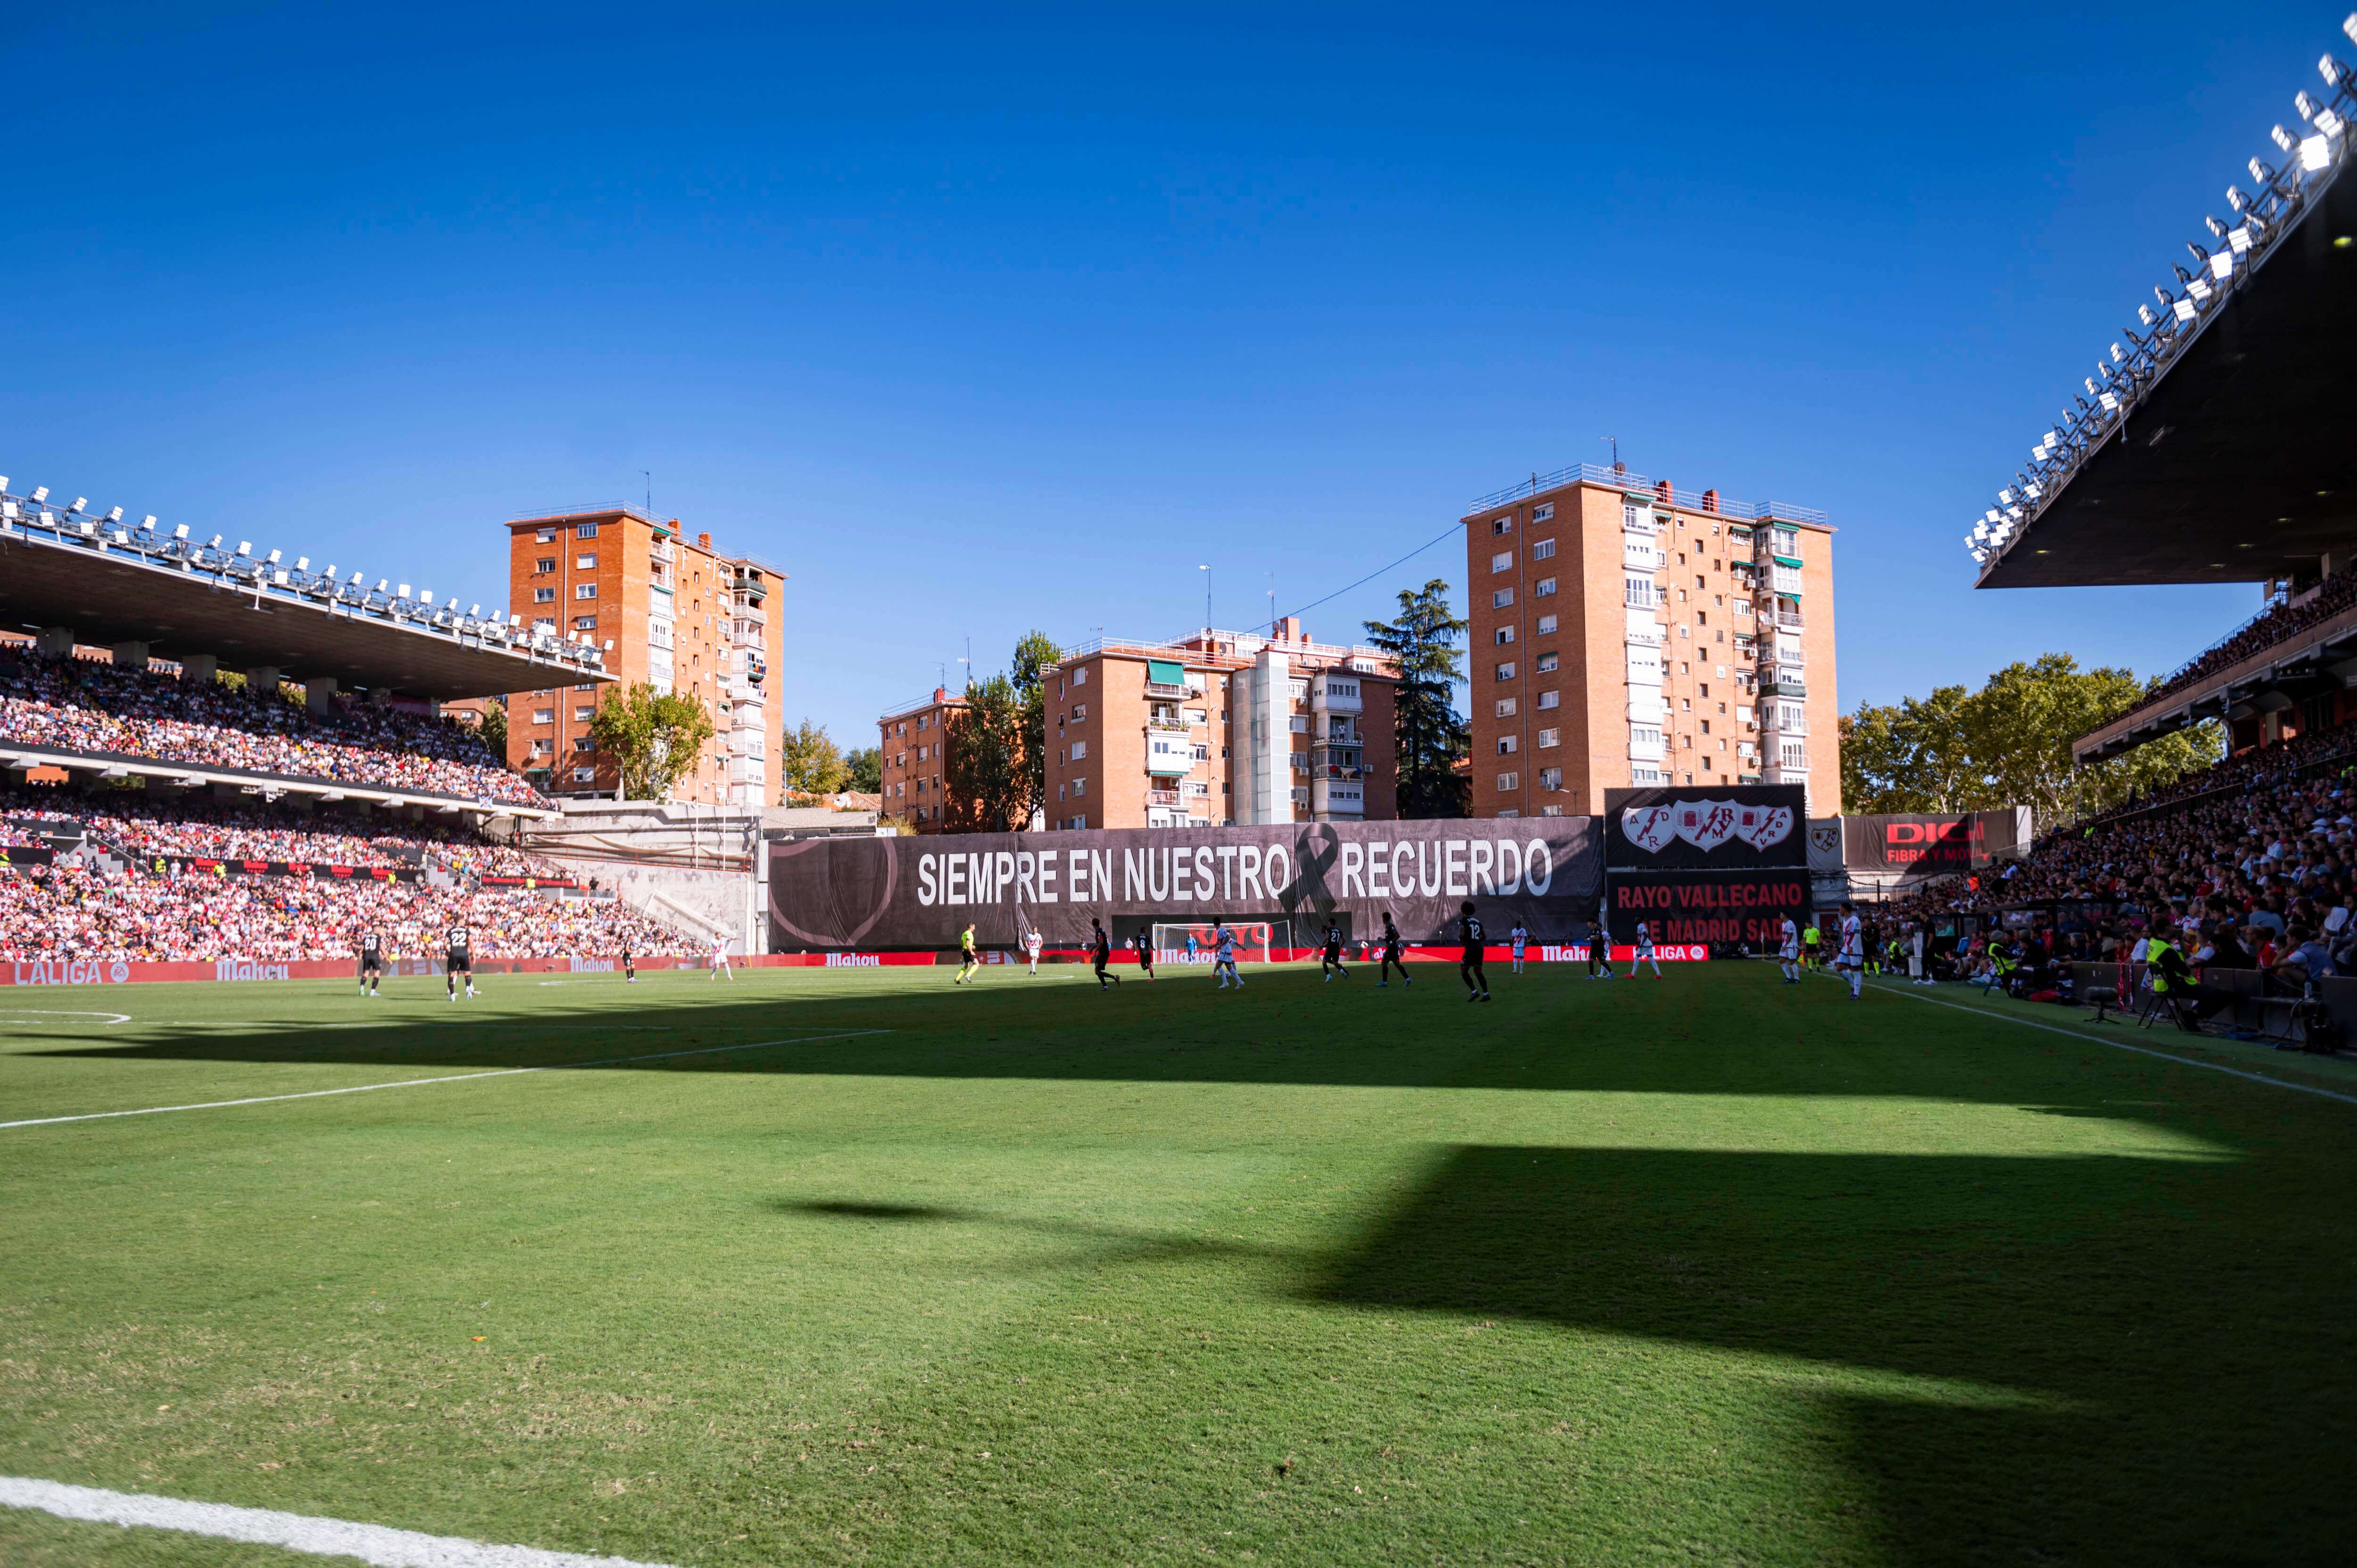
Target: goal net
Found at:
1256, 941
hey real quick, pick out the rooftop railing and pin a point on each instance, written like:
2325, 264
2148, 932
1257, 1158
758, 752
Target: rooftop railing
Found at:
1701, 502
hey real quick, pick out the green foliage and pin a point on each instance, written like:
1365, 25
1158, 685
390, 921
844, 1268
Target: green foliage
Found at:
494, 725
2008, 744
1034, 654
655, 738
1433, 737
866, 769
983, 770
810, 765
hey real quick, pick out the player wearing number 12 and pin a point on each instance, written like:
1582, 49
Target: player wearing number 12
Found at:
1468, 967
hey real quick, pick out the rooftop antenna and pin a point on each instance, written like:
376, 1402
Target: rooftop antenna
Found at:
648, 475
1618, 466
1206, 570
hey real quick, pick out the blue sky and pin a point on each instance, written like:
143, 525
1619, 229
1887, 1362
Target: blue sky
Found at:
981, 323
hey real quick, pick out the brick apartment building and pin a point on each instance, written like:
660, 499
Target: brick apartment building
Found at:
1627, 633
915, 779
676, 613
1221, 727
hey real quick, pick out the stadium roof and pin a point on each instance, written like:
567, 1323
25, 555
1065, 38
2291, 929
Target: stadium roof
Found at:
113, 583
2220, 451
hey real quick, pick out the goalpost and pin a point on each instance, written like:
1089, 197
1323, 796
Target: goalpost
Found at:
1256, 941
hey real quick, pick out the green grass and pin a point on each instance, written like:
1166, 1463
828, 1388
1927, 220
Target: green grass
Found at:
1703, 1270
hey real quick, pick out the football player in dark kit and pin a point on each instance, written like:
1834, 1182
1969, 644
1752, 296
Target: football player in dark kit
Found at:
372, 962
1393, 949
1330, 963
457, 961
1144, 943
1468, 968
1101, 954
629, 965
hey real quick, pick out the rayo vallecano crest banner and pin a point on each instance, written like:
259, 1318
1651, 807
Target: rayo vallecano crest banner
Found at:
1730, 827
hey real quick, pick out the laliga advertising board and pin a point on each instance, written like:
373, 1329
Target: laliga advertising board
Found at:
1702, 865
916, 893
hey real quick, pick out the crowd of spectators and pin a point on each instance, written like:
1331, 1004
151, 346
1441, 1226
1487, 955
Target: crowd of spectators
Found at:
2249, 865
75, 911
84, 705
2334, 595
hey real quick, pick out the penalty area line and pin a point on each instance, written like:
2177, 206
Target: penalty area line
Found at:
451, 1078
373, 1543
2123, 1045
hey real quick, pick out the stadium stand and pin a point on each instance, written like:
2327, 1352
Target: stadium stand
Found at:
101, 711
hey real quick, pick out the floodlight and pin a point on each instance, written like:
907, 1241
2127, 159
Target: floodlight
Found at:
122, 537
515, 620
79, 502
2118, 358
216, 544
147, 522
404, 592
3, 481
2349, 26
279, 577
245, 547
114, 516
2239, 240
381, 584
2314, 154
356, 581
2111, 403
1989, 516
2281, 138
2222, 263
2235, 198
2330, 123
2033, 491
424, 596
40, 492
302, 564
2259, 172
475, 610
2089, 383
181, 532
2303, 105
2186, 310
2197, 288
272, 559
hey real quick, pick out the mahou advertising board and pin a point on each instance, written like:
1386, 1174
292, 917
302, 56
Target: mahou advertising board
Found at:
920, 893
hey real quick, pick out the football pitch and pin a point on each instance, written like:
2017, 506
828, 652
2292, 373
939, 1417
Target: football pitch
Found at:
849, 1266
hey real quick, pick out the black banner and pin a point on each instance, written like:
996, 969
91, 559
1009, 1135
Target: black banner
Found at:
26, 855
913, 893
1928, 845
204, 865
1706, 829
1718, 908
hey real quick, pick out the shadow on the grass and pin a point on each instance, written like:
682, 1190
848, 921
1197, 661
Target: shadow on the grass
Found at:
2165, 1344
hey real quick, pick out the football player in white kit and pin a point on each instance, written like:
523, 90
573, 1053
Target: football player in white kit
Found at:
1031, 948
1852, 954
1223, 962
1520, 938
1645, 953
720, 960
1788, 952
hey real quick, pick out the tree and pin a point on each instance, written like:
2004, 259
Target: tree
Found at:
867, 766
494, 725
1035, 655
809, 764
655, 738
2008, 744
983, 770
1433, 737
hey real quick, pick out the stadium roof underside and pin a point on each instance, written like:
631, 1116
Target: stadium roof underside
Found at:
2239, 463
181, 600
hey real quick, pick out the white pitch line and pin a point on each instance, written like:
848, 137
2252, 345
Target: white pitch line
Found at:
2122, 1046
452, 1077
373, 1543
57, 1012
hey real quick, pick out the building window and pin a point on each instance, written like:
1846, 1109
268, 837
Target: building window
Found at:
1505, 635
585, 530
545, 536
1505, 707
1507, 744
1079, 787
1079, 712
1081, 676
1503, 561
1546, 663
581, 743
1551, 778
586, 562
544, 715
1079, 750
1500, 527
1506, 671
585, 623
1549, 699
584, 590
1543, 513
1548, 737
1638, 593
1546, 625
1499, 598
1542, 549
545, 563
543, 595
543, 746
584, 713
1509, 782
1544, 588
585, 776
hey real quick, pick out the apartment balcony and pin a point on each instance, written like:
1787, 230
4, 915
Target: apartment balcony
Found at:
1169, 691
1338, 796
1168, 798
1325, 698
1171, 727
1784, 686
1787, 620
1643, 629
662, 551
